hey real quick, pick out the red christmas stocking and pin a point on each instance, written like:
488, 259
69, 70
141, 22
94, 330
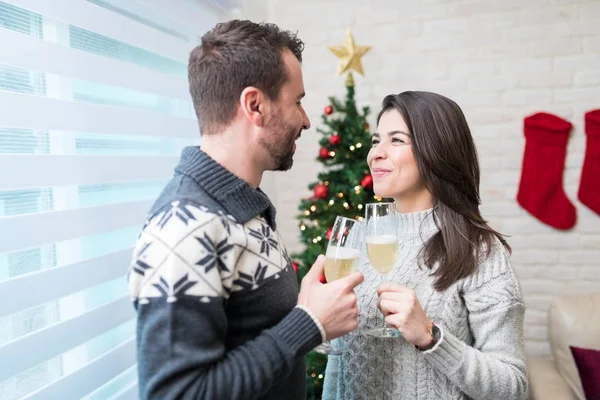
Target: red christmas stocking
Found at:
541, 190
589, 186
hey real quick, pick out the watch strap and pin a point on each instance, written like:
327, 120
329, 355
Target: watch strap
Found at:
435, 337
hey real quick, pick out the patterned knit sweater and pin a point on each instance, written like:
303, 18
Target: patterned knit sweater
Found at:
216, 294
480, 355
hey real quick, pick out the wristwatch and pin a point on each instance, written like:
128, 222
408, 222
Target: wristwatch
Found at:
436, 334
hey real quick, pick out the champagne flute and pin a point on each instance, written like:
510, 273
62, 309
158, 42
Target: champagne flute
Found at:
382, 245
340, 260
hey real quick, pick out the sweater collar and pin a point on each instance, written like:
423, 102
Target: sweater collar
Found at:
238, 198
417, 223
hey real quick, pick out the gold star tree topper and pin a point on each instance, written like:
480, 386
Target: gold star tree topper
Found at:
349, 55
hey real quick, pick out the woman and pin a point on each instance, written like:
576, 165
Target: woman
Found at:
453, 293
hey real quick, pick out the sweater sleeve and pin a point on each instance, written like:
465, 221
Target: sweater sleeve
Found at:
184, 268
494, 366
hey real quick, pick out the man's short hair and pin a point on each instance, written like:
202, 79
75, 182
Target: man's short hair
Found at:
232, 56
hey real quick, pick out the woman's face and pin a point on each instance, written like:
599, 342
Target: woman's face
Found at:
392, 163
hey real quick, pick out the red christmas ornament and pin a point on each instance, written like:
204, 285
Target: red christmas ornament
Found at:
323, 279
335, 140
367, 182
328, 234
321, 191
328, 110
296, 266
324, 153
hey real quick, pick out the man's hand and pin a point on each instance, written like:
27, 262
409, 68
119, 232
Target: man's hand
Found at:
334, 303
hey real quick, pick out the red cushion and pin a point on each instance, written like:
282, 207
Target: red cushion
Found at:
588, 365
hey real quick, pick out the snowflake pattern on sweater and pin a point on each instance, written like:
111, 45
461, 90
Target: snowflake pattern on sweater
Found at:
187, 250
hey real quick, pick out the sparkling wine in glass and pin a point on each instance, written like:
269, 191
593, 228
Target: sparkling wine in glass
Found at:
381, 237
340, 260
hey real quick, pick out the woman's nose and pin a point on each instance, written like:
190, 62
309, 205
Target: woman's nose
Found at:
379, 151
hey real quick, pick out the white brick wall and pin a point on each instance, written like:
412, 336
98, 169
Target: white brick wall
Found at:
500, 60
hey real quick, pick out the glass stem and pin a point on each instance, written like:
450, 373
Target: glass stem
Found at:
383, 280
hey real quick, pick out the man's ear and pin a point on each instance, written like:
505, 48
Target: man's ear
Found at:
252, 105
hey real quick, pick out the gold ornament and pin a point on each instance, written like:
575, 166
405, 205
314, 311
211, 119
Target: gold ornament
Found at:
350, 55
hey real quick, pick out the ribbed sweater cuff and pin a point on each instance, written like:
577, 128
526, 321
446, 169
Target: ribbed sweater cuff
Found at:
315, 320
299, 332
448, 354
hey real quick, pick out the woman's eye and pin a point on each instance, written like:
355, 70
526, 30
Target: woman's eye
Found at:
374, 141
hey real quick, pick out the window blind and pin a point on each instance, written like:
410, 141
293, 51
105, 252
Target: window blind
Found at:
94, 112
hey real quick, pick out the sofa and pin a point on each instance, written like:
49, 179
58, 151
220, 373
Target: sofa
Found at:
572, 321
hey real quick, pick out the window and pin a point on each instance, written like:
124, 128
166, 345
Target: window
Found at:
94, 113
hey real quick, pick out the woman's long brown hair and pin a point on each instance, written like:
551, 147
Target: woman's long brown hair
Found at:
447, 161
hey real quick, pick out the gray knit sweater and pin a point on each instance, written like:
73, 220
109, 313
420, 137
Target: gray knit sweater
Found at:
481, 352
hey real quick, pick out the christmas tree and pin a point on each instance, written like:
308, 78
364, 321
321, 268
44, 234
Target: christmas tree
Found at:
342, 188
345, 185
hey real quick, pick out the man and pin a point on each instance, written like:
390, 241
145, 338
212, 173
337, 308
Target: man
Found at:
218, 310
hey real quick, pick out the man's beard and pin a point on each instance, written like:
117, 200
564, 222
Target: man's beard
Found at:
282, 152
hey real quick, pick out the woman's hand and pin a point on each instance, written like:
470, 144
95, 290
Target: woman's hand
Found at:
402, 310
